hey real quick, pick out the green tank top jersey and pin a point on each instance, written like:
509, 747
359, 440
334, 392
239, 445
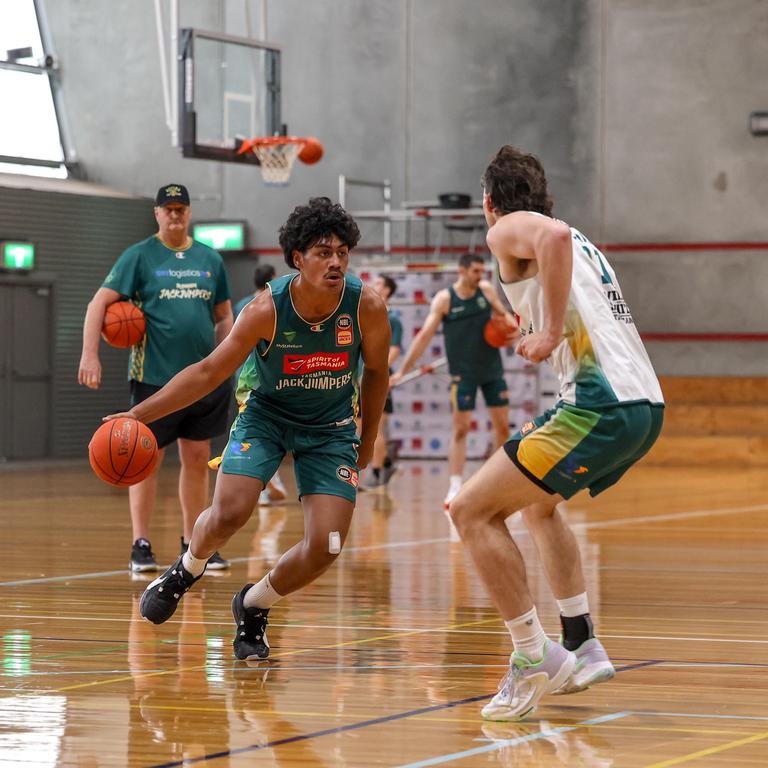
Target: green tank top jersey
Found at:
467, 351
177, 290
305, 376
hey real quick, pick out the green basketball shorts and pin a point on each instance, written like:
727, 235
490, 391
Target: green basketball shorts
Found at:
325, 460
567, 448
464, 393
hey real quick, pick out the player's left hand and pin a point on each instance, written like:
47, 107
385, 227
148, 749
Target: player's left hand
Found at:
364, 453
536, 346
123, 415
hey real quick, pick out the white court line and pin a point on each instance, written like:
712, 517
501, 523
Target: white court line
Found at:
424, 630
420, 542
688, 714
671, 516
504, 743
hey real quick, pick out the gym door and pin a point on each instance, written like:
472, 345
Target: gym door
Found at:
25, 370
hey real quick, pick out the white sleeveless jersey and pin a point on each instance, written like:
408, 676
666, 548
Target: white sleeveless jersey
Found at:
601, 360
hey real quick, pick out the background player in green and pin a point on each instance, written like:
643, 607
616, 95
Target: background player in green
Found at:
304, 337
382, 466
464, 309
181, 286
261, 276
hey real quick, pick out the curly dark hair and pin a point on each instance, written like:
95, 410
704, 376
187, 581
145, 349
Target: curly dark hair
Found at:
316, 221
515, 181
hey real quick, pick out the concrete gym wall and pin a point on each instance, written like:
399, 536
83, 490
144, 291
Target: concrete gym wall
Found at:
678, 164
637, 108
418, 91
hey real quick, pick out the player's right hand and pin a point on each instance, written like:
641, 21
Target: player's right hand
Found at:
395, 379
89, 373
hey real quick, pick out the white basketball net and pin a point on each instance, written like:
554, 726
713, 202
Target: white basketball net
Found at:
277, 161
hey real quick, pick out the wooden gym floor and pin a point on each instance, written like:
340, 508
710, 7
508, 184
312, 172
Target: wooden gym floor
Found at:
386, 660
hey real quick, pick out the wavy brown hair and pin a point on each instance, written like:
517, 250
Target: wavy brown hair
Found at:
515, 181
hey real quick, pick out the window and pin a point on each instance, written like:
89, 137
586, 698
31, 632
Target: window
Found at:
30, 136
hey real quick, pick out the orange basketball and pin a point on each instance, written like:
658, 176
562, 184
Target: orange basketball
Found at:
124, 324
123, 451
499, 332
312, 151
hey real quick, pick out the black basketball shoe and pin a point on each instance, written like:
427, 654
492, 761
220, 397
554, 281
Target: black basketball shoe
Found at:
215, 562
251, 632
161, 597
142, 557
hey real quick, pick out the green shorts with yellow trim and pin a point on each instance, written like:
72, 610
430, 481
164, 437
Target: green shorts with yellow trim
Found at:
567, 448
464, 393
325, 460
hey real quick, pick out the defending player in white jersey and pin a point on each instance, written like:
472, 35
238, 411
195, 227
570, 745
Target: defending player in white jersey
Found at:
609, 412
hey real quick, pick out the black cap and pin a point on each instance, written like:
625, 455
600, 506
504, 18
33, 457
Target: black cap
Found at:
172, 193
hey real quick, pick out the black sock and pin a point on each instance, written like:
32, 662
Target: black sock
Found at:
387, 463
376, 472
576, 630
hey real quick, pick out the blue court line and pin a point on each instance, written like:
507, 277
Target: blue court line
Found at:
503, 743
326, 732
366, 723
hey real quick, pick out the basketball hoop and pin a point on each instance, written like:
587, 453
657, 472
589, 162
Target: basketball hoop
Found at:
277, 154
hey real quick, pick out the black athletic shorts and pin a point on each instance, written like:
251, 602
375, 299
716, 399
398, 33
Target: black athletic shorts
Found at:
389, 406
206, 418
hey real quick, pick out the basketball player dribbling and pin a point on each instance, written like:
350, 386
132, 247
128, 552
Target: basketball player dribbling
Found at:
609, 413
300, 340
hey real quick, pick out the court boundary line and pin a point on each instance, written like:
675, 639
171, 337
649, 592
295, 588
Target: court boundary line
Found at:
417, 542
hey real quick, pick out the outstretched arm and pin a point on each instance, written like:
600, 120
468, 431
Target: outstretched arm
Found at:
255, 322
376, 333
437, 311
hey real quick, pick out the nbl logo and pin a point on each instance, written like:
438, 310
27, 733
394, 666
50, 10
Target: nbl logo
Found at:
344, 333
347, 475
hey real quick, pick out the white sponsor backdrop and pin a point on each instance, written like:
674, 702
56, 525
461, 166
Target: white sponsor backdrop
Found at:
422, 417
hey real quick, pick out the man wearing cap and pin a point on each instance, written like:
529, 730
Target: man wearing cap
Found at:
181, 286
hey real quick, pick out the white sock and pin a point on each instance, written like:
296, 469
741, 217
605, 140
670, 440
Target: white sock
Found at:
577, 605
261, 595
195, 565
527, 635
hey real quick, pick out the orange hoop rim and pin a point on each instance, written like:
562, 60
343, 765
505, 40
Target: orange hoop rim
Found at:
276, 140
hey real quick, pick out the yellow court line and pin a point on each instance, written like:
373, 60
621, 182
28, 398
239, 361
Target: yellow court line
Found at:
710, 751
284, 654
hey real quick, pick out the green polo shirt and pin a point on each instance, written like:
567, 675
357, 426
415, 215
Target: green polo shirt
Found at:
177, 290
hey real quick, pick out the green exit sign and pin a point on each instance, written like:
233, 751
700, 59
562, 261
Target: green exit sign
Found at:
221, 235
17, 255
